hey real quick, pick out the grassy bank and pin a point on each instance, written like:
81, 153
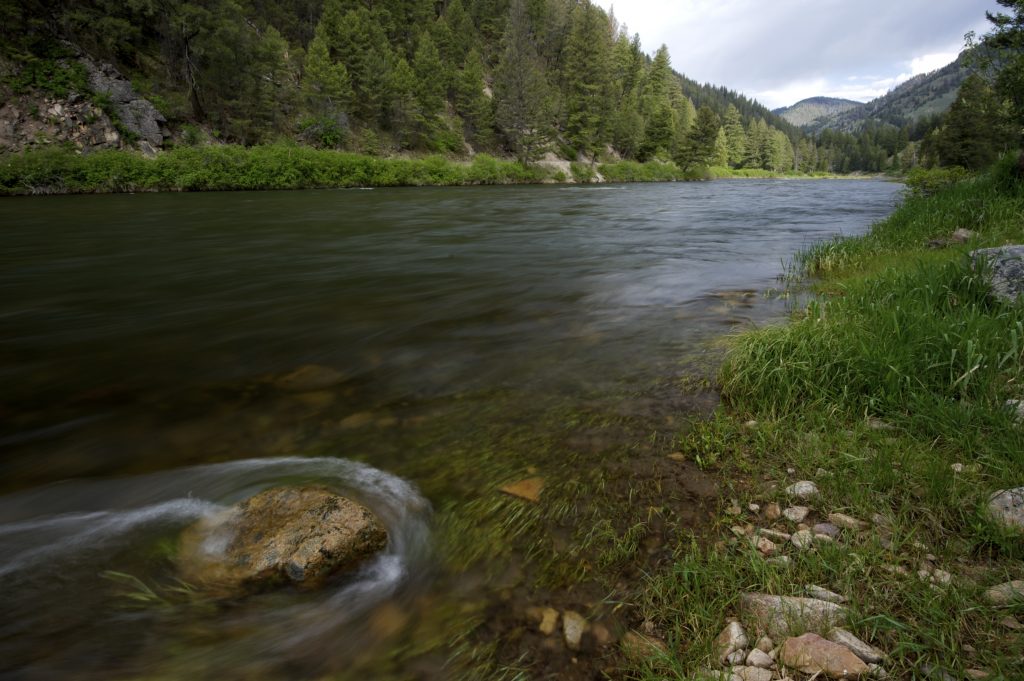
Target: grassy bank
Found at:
888, 391
227, 167
213, 168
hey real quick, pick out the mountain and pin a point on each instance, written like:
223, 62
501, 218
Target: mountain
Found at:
925, 95
807, 111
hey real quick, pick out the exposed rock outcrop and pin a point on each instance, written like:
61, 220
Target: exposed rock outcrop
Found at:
136, 113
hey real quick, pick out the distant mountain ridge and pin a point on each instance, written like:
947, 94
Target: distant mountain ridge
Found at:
924, 95
811, 109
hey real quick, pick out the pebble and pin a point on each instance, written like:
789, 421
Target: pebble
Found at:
733, 509
764, 545
823, 594
731, 639
765, 644
846, 522
1011, 622
737, 657
864, 651
877, 672
827, 529
759, 658
977, 674
782, 561
773, 511
573, 627
802, 539
805, 489
796, 514
957, 467
547, 619
774, 535
1007, 508
754, 508
753, 673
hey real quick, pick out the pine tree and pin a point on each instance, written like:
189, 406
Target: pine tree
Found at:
698, 149
405, 115
721, 149
327, 85
521, 89
588, 69
736, 138
473, 104
975, 132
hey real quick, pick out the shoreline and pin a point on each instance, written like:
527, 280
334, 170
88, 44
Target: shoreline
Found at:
858, 450
58, 171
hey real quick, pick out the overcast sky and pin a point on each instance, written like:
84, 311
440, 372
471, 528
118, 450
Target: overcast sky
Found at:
782, 51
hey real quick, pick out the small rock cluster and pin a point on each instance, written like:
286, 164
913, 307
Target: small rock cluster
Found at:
27, 122
777, 650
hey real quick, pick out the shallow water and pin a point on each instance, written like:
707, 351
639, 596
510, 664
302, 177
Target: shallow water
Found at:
143, 340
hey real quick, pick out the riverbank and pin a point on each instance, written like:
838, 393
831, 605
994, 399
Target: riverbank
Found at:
274, 167
889, 393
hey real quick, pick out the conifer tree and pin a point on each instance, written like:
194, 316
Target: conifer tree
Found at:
698, 148
588, 70
327, 85
475, 107
521, 89
736, 137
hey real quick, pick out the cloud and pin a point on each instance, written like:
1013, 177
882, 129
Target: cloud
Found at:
781, 49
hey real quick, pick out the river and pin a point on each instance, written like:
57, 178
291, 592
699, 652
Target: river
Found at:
453, 338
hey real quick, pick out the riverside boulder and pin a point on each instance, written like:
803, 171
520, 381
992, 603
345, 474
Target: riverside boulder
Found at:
284, 535
781, 616
1005, 270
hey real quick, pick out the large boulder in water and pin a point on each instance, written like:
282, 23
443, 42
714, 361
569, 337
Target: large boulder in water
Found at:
296, 535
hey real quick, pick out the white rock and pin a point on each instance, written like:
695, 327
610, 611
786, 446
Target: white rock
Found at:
765, 644
877, 672
754, 508
764, 545
957, 467
753, 673
864, 651
781, 561
732, 638
805, 489
824, 594
573, 627
712, 675
1007, 508
803, 539
796, 514
737, 657
759, 658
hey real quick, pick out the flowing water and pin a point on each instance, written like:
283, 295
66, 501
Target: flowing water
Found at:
453, 339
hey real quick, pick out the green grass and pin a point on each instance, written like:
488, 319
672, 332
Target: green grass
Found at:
897, 369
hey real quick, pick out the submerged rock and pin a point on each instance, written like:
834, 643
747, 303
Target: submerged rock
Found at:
297, 535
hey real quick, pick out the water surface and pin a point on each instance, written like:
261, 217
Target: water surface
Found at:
143, 339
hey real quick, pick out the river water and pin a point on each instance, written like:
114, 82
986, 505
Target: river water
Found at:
447, 340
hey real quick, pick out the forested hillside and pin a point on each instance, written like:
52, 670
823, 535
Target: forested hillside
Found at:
922, 96
515, 78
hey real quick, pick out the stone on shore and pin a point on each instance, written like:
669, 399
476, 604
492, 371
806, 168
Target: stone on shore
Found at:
796, 514
1007, 508
759, 658
805, 489
752, 673
547, 619
1006, 593
731, 639
823, 594
811, 654
309, 378
782, 616
1005, 270
298, 535
864, 651
574, 625
847, 522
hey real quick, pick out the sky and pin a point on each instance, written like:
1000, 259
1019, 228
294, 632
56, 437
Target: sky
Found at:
782, 51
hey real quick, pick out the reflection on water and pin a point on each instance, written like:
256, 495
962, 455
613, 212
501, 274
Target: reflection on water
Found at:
151, 343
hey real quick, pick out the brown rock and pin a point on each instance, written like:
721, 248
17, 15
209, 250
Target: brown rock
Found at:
811, 654
772, 511
781, 616
1004, 594
300, 535
528, 489
731, 639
